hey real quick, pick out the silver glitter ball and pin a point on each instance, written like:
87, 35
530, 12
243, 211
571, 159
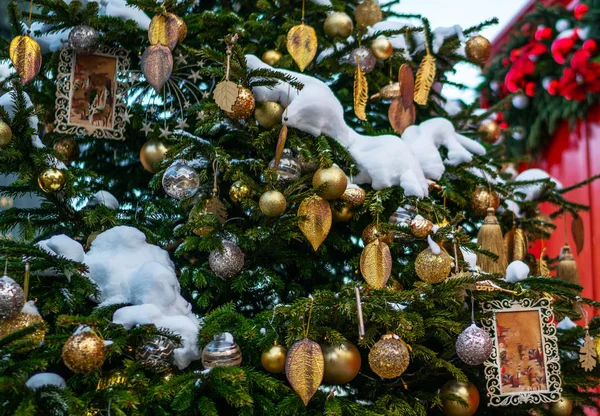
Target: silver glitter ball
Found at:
12, 298
474, 345
228, 261
367, 59
180, 181
289, 169
156, 354
222, 351
83, 39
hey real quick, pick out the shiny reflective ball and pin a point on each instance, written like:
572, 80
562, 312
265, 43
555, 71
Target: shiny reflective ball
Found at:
272, 203
5, 134
271, 57
156, 354
67, 148
341, 213
478, 49
51, 180
420, 227
491, 131
12, 297
342, 363
563, 407
382, 48
338, 25
331, 182
289, 169
227, 261
153, 152
466, 391
222, 351
269, 114
273, 359
83, 39
482, 199
180, 181
366, 58
239, 190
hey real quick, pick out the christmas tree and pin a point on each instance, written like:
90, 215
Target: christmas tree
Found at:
315, 231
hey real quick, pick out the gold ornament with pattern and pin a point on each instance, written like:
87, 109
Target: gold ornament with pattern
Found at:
26, 56
373, 232
389, 357
84, 352
482, 199
164, 30
478, 49
376, 264
491, 131
243, 106
354, 196
211, 206
51, 180
368, 13
420, 227
222, 351
302, 45
315, 222
239, 190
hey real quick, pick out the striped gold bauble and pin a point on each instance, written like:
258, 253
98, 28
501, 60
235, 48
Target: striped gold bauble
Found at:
222, 351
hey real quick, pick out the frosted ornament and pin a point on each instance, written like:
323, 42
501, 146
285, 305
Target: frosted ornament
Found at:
12, 297
474, 345
180, 181
83, 39
367, 59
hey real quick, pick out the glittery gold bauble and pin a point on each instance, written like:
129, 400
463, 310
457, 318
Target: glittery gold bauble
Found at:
84, 352
341, 214
478, 49
5, 134
239, 190
482, 199
382, 48
342, 363
332, 182
243, 106
67, 148
420, 227
373, 231
273, 359
466, 391
271, 57
433, 268
269, 114
20, 321
222, 351
153, 151
354, 196
563, 407
114, 378
389, 357
272, 203
368, 13
338, 25
491, 131
51, 180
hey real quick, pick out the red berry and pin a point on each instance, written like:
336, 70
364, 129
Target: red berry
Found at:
503, 125
543, 33
530, 89
580, 11
590, 46
553, 87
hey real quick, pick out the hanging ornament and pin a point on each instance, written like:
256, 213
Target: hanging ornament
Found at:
211, 206
563, 407
26, 57
433, 265
114, 378
376, 264
153, 152
164, 30
402, 112
361, 93
83, 39
331, 182
402, 217
578, 233
20, 321
363, 58
157, 65
389, 92
239, 190
342, 363
368, 13
467, 392
567, 266
271, 57
243, 107
341, 212
542, 267
373, 232
302, 43
156, 354
269, 114
382, 48
389, 357
228, 261
51, 180
84, 352
587, 352
354, 196
491, 131
5, 134
307, 165
516, 244
222, 351
420, 227
272, 203
288, 170
478, 49
474, 345
315, 220
490, 239
482, 199
273, 359
425, 77
67, 148
304, 368
12, 297
180, 181
181, 27
338, 25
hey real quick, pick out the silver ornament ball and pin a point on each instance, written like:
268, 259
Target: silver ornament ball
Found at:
367, 59
156, 354
180, 181
228, 261
83, 39
289, 169
222, 351
474, 345
12, 298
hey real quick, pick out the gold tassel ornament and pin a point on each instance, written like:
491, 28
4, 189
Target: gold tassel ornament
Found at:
490, 239
567, 267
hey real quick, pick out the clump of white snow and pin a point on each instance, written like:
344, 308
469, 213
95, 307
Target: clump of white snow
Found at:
533, 192
517, 271
566, 324
104, 198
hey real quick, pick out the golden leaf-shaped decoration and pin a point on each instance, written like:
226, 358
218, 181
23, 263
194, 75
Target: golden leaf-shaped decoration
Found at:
157, 65
226, 93
316, 220
389, 92
516, 245
164, 30
424, 80
304, 368
302, 45
361, 93
26, 56
543, 269
376, 264
587, 353
578, 232
280, 145
400, 117
406, 79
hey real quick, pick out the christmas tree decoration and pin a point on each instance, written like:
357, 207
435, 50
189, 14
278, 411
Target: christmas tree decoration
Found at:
368, 13
373, 232
211, 206
491, 131
272, 203
51, 180
490, 239
389, 357
83, 39
425, 77
567, 266
516, 244
361, 92
542, 266
307, 165
273, 359
269, 114
222, 351
153, 152
402, 217
587, 352
342, 363
226, 94
341, 213
420, 227
12, 297
331, 182
289, 169
20, 321
271, 57
363, 59
389, 92
338, 25
157, 66
244, 104
474, 345
578, 233
26, 56
84, 352
315, 220
180, 181
563, 407
376, 264
5, 134
181, 27
402, 112
482, 199
382, 48
67, 148
164, 30
466, 391
239, 191
302, 44
304, 368
354, 196
156, 354
112, 379
478, 49
227, 261
433, 265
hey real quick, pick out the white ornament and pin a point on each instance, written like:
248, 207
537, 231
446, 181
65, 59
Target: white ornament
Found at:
517, 271
45, 379
562, 25
520, 101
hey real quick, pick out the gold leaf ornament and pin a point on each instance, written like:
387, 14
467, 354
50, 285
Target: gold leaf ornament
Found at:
302, 45
164, 29
226, 93
402, 112
315, 221
304, 368
424, 79
361, 92
516, 245
543, 269
578, 232
376, 264
26, 56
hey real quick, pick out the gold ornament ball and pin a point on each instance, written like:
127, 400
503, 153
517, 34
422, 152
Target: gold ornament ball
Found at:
382, 48
271, 57
239, 190
273, 359
21, 321
354, 196
269, 114
420, 227
51, 180
114, 378
467, 392
67, 148
482, 199
491, 131
342, 214
389, 357
368, 13
563, 407
153, 152
5, 134
373, 232
478, 49
332, 182
338, 25
433, 268
243, 106
272, 203
84, 352
342, 363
